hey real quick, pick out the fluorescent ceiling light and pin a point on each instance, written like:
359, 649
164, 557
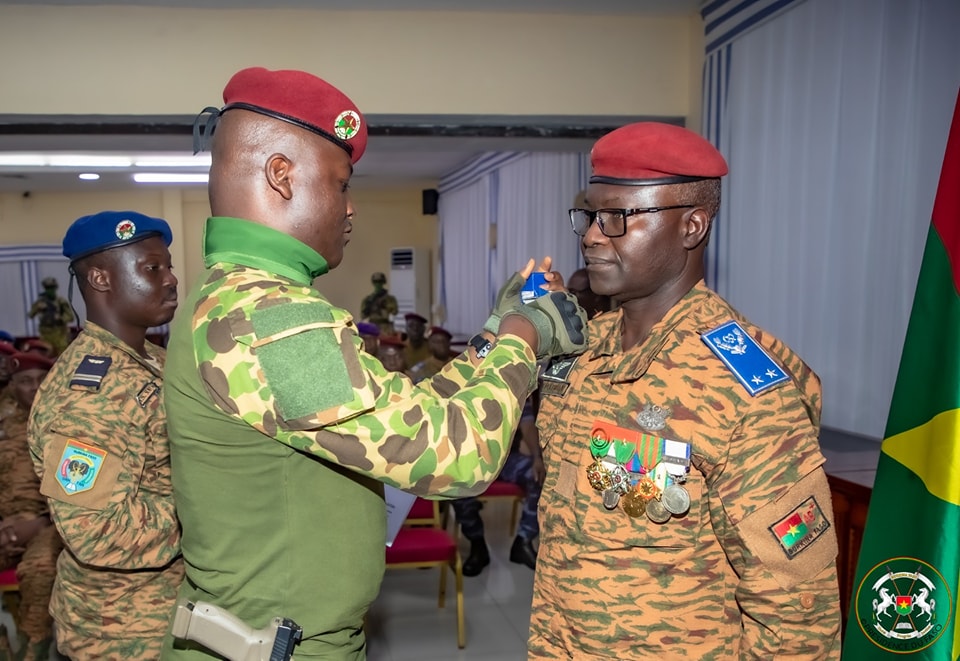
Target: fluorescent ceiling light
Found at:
29, 160
88, 161
89, 176
170, 178
175, 161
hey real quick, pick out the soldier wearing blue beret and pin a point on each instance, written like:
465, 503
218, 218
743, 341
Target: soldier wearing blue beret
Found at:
98, 441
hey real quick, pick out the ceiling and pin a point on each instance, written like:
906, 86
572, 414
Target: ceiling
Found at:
401, 149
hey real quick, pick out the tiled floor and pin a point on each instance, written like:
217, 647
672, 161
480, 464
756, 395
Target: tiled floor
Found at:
405, 623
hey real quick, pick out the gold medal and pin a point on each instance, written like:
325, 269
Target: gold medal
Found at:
634, 504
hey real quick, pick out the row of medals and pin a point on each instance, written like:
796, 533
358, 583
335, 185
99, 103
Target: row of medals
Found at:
658, 493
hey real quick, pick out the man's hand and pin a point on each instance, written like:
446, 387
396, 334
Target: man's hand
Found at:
15, 535
559, 322
508, 297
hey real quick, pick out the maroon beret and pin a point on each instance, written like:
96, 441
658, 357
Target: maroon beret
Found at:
21, 362
35, 344
652, 154
301, 99
437, 330
392, 341
415, 317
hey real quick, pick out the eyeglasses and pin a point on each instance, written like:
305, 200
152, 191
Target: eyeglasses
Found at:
613, 222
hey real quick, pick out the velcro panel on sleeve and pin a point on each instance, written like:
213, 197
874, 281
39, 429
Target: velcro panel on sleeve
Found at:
794, 537
313, 372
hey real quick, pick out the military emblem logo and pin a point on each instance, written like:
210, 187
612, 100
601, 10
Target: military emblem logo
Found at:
125, 229
347, 124
79, 466
652, 417
800, 528
903, 605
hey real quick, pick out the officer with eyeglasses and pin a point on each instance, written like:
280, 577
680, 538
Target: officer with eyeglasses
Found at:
685, 512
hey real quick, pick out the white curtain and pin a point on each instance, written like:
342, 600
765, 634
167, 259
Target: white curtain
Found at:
495, 213
833, 116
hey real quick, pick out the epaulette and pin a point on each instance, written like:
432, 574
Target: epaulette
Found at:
748, 361
90, 371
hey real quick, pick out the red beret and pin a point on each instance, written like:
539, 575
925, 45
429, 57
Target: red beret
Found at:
392, 341
303, 100
651, 154
7, 349
36, 343
415, 316
21, 362
437, 330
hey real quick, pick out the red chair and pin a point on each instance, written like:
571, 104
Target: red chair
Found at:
422, 542
500, 490
10, 587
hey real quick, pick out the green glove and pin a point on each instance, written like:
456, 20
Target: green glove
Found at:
559, 321
507, 298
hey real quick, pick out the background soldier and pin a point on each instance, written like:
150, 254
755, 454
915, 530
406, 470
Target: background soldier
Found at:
28, 539
55, 316
379, 307
98, 439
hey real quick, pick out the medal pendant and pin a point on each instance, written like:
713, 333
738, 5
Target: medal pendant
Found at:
676, 499
656, 512
599, 476
647, 488
619, 479
634, 504
611, 499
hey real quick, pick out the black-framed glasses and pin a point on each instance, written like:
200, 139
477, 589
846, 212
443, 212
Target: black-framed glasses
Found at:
613, 222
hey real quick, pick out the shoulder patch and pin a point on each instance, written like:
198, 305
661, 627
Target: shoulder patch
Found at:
746, 359
90, 371
553, 380
146, 392
79, 466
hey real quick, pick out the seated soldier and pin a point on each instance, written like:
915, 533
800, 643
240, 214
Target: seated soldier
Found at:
391, 353
370, 334
438, 342
524, 467
28, 539
417, 348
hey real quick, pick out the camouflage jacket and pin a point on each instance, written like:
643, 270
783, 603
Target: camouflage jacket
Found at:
19, 486
282, 430
379, 308
54, 312
732, 577
98, 441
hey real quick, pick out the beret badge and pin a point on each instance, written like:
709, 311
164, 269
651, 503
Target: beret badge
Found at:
125, 229
347, 124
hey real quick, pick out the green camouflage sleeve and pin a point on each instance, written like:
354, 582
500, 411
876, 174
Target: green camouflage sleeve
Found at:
284, 360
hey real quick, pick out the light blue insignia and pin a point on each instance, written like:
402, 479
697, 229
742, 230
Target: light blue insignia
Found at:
752, 366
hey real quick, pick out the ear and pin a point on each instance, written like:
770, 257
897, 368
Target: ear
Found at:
696, 228
277, 170
98, 279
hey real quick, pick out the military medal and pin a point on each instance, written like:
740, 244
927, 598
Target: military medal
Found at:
611, 498
634, 504
656, 511
619, 478
599, 476
675, 499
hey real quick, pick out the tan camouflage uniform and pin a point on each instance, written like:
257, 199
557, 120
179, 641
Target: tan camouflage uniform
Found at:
20, 499
712, 584
282, 430
118, 575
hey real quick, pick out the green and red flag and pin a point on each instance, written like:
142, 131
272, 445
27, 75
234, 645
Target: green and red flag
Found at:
908, 574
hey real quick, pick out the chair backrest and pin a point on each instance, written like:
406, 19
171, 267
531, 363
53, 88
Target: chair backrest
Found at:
423, 512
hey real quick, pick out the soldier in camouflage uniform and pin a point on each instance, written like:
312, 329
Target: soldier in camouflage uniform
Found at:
8, 403
282, 429
381, 306
55, 316
686, 512
99, 444
28, 539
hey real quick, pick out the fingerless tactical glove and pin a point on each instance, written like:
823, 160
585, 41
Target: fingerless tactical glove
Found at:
560, 323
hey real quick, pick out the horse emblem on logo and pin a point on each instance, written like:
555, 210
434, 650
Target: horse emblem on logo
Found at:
896, 607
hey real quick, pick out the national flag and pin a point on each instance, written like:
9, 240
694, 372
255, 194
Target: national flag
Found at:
917, 486
790, 530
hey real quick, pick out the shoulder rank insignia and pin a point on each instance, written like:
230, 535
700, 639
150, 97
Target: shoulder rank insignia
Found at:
146, 393
752, 366
90, 371
79, 466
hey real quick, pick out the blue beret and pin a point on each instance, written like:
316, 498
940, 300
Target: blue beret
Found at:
366, 328
109, 229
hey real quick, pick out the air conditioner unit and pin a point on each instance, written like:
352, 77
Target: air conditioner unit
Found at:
409, 282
